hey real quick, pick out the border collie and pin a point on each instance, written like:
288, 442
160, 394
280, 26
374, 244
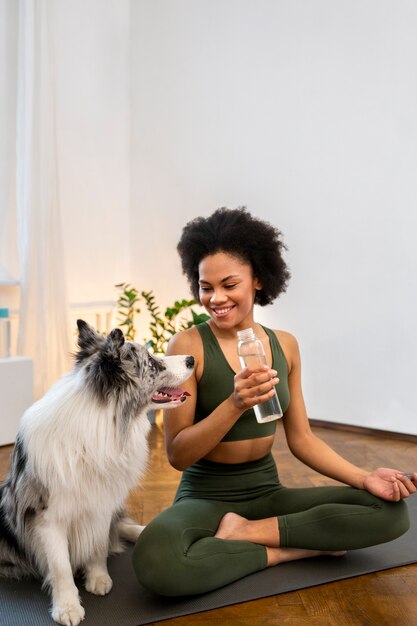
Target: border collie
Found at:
79, 451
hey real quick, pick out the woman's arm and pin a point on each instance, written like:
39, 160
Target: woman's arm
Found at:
308, 448
187, 442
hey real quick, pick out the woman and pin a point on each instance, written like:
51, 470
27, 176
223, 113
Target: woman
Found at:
231, 515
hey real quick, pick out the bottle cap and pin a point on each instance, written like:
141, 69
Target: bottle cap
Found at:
4, 313
247, 333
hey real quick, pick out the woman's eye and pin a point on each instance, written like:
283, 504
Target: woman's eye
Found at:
230, 286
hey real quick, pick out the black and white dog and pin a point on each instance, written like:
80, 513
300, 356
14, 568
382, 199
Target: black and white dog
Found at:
79, 451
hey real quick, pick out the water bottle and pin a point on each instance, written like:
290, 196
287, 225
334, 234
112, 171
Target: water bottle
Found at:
252, 354
4, 334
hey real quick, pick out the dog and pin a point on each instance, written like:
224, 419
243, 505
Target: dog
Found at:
79, 451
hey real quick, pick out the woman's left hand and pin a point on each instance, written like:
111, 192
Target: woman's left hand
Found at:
390, 484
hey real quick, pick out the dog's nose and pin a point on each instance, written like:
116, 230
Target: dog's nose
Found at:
189, 361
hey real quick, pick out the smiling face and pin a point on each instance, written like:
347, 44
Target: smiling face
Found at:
227, 290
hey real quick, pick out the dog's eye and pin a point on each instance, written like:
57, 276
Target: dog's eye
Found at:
152, 364
155, 365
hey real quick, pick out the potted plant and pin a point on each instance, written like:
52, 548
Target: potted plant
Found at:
162, 325
127, 309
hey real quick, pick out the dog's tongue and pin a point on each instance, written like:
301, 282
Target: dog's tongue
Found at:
169, 394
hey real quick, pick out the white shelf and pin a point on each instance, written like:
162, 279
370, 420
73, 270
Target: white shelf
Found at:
16, 395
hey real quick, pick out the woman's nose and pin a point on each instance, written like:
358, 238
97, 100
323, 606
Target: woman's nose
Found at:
218, 296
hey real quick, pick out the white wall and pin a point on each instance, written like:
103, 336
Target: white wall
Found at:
305, 112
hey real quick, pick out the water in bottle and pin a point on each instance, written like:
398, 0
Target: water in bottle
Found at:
252, 355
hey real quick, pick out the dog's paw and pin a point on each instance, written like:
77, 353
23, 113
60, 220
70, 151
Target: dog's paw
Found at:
69, 613
99, 584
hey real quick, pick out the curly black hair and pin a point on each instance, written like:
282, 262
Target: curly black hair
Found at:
236, 232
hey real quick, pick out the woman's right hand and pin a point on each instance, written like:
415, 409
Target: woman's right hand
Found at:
253, 386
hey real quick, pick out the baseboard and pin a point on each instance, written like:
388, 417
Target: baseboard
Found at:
361, 430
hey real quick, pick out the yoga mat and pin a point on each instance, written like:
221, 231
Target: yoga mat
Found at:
128, 604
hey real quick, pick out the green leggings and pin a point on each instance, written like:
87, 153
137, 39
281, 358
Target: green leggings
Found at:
177, 554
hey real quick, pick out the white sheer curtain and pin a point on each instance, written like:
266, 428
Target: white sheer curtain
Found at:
43, 326
9, 265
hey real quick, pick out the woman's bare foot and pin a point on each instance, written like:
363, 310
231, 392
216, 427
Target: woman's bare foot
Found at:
233, 526
263, 531
282, 555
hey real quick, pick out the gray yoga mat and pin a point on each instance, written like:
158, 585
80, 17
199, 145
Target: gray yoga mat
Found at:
128, 604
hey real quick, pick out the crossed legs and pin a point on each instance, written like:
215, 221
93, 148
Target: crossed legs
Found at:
198, 545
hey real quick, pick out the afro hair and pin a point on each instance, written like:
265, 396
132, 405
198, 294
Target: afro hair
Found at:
238, 233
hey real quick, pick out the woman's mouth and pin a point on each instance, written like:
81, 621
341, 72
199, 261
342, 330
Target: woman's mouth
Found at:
222, 311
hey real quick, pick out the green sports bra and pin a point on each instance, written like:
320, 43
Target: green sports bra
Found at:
217, 383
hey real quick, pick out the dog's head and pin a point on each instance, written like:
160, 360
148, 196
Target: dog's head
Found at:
125, 374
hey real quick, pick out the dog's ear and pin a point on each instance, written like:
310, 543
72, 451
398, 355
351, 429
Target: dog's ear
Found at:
88, 340
87, 336
114, 342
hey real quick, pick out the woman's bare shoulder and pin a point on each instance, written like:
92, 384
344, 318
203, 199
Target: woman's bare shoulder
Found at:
185, 342
285, 337
290, 347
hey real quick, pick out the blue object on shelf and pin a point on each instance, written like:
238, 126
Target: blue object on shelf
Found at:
5, 335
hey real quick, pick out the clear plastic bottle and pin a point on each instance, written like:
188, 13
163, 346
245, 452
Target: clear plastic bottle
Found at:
4, 334
252, 354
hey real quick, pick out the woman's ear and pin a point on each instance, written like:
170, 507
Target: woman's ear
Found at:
258, 284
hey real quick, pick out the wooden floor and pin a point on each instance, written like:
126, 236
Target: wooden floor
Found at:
383, 599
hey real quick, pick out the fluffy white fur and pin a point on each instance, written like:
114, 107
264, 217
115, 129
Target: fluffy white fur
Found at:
82, 448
